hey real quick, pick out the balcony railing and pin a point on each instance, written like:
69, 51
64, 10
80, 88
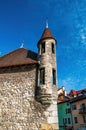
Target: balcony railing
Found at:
82, 111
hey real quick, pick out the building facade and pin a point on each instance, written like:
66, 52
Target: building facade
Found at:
64, 115
28, 87
78, 109
64, 110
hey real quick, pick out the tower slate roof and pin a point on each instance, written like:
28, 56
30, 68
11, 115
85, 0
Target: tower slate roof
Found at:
46, 35
18, 57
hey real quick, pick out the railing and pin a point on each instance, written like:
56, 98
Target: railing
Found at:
82, 111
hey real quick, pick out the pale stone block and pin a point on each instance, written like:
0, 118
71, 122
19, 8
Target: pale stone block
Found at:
52, 120
54, 113
52, 107
49, 91
54, 102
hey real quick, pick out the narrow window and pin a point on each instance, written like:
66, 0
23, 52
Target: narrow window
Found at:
53, 48
67, 103
68, 110
75, 120
74, 107
43, 47
42, 76
84, 118
53, 76
83, 105
64, 120
69, 121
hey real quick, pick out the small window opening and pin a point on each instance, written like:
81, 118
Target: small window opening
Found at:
43, 47
42, 76
54, 77
53, 48
75, 120
84, 118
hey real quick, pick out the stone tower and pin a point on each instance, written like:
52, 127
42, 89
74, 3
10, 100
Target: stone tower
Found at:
47, 83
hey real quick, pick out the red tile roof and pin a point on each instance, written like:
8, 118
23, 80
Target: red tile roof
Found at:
19, 56
74, 92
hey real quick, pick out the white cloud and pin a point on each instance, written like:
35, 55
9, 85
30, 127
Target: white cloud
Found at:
83, 36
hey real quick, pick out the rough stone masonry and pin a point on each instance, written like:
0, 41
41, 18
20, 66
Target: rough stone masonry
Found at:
18, 108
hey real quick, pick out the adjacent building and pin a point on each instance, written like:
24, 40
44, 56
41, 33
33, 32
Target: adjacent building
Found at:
78, 109
72, 109
64, 110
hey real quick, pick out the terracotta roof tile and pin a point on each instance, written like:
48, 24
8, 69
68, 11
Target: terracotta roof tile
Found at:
19, 56
74, 92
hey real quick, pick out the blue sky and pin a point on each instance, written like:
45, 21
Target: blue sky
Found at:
24, 20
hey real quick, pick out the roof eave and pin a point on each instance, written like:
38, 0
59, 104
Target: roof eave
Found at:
6, 66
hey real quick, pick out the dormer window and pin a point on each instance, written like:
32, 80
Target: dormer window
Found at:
53, 48
43, 47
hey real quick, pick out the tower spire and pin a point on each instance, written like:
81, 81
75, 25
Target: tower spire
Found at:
46, 23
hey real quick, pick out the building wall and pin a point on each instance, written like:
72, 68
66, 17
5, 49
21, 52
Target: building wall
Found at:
63, 115
18, 108
75, 113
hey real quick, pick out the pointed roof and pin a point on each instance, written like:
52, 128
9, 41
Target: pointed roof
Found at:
17, 57
46, 34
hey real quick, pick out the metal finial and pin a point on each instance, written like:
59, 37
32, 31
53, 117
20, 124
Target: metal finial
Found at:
47, 23
22, 45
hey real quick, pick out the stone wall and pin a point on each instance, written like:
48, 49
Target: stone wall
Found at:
18, 108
